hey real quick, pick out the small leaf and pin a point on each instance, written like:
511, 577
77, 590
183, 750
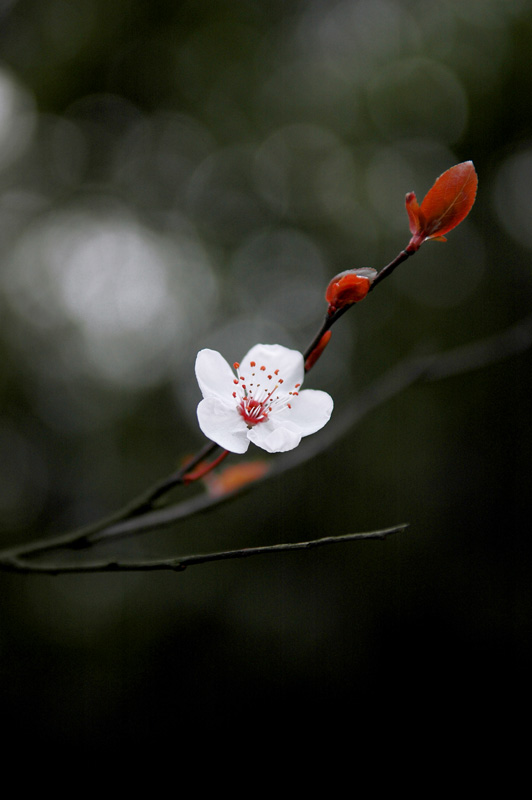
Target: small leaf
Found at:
445, 205
451, 198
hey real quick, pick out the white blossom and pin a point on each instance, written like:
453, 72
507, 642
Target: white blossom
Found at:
260, 402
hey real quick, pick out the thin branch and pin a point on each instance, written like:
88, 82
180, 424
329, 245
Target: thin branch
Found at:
386, 271
136, 508
182, 562
477, 355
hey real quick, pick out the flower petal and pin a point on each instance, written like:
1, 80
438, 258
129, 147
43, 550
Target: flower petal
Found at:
222, 423
276, 357
309, 411
274, 437
214, 375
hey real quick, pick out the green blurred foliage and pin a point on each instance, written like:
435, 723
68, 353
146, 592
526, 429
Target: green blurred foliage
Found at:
175, 175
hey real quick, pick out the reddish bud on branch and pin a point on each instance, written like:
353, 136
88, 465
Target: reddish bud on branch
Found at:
236, 477
349, 287
443, 208
318, 350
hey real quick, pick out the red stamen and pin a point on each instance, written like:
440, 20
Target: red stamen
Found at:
252, 411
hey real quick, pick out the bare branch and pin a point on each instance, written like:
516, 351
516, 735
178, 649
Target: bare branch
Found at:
179, 564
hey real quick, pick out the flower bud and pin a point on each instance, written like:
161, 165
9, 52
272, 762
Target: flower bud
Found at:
349, 287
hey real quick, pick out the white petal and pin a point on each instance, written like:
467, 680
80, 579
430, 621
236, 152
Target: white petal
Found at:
275, 438
274, 356
310, 411
222, 423
214, 375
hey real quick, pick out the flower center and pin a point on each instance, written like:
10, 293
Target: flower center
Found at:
253, 411
257, 399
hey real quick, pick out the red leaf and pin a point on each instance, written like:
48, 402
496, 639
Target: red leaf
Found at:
445, 205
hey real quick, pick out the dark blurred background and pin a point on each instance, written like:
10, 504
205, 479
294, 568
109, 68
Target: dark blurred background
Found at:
177, 175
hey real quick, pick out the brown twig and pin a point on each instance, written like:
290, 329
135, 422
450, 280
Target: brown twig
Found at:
182, 562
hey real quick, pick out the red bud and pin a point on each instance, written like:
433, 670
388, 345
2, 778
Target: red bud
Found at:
349, 287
